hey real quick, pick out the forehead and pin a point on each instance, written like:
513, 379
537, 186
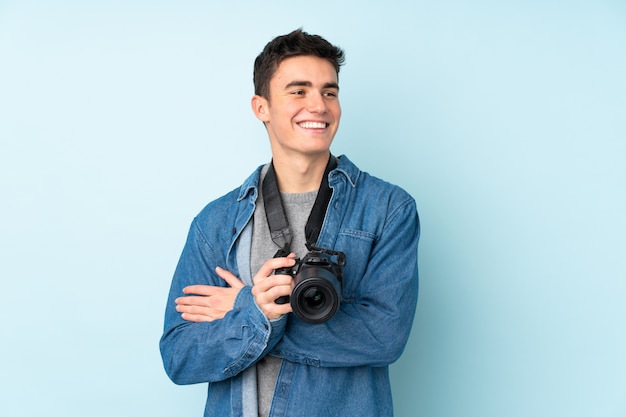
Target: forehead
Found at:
311, 69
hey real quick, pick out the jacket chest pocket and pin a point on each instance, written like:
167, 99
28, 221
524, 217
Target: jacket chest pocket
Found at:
357, 245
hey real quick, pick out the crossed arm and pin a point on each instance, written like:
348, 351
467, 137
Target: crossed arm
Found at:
209, 303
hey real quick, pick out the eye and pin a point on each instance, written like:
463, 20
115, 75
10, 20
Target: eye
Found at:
330, 94
298, 92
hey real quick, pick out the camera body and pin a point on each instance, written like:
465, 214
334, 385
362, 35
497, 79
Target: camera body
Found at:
316, 295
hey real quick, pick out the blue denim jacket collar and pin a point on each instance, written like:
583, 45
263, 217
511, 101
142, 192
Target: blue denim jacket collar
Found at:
344, 167
249, 188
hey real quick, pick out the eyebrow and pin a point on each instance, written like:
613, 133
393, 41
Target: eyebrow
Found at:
310, 84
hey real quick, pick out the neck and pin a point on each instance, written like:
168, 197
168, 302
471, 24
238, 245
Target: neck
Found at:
300, 175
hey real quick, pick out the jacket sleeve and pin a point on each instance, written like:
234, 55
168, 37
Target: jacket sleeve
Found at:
375, 318
212, 351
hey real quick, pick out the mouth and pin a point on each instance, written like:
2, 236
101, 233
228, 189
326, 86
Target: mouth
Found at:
313, 125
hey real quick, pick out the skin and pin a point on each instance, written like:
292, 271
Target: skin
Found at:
301, 116
209, 303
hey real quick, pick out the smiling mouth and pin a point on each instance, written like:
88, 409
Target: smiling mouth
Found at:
313, 125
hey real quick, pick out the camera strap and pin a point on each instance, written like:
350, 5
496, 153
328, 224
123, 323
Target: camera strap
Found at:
275, 210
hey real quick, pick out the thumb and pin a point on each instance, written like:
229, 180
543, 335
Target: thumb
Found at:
229, 277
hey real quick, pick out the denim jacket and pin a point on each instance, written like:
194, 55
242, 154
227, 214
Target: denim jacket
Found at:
337, 368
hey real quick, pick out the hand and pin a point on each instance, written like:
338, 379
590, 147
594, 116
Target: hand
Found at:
268, 287
209, 302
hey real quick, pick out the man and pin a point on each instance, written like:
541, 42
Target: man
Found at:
223, 324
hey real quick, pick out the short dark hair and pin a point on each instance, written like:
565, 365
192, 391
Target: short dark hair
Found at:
296, 43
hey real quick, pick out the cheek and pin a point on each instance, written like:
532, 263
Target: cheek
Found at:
293, 108
285, 112
335, 107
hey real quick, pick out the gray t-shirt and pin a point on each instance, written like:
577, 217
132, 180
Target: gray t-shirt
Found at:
297, 208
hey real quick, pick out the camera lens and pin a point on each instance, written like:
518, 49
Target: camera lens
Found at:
314, 298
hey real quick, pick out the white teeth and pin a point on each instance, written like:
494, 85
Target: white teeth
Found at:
313, 125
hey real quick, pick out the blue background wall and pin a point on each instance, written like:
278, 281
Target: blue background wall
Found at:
119, 120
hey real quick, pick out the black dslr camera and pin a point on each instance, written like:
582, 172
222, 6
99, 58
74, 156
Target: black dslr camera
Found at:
317, 292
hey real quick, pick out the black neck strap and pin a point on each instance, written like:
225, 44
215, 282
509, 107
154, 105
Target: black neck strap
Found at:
275, 211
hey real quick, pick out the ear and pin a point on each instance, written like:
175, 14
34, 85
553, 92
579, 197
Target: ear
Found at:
260, 107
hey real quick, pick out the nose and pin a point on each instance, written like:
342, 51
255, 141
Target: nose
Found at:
316, 103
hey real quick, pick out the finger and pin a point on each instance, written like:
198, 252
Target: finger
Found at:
270, 296
272, 264
229, 277
264, 284
197, 318
200, 313
275, 263
199, 289
203, 301
191, 308
267, 291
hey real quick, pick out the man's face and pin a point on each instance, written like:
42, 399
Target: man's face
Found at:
302, 113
